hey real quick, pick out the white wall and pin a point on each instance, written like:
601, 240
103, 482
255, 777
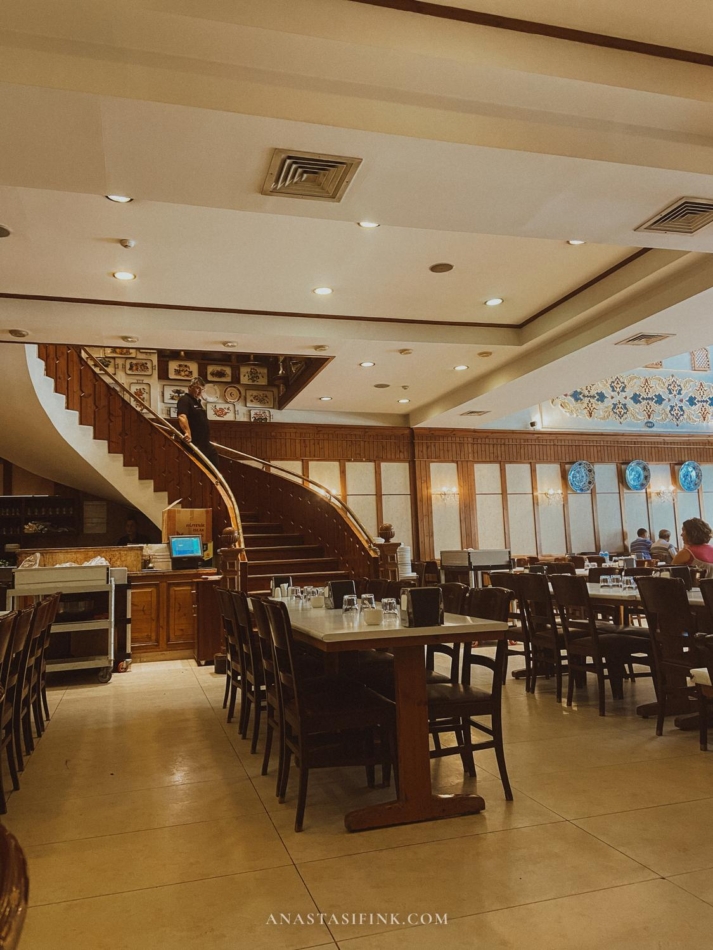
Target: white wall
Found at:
445, 510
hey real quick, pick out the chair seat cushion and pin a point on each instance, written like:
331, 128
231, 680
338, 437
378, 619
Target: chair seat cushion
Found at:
446, 694
610, 644
701, 677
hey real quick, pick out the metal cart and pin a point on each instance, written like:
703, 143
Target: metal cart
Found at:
72, 581
475, 563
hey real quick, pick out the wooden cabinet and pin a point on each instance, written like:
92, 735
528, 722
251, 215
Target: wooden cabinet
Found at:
210, 638
163, 618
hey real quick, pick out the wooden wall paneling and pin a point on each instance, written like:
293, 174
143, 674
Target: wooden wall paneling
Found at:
595, 516
536, 507
565, 500
466, 495
379, 494
60, 369
87, 396
506, 512
74, 380
343, 479
424, 512
622, 507
115, 414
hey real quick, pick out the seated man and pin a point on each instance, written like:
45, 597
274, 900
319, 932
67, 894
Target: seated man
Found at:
132, 535
640, 547
662, 549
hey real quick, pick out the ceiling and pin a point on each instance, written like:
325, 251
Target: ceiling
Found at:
483, 148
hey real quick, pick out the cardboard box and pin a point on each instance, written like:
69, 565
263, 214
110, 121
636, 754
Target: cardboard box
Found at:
176, 521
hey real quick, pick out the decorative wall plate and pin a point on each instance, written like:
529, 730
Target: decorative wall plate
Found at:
211, 393
581, 477
637, 475
690, 476
232, 394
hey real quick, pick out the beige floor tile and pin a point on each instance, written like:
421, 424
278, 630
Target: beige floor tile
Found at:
601, 791
468, 875
699, 883
91, 867
645, 916
669, 840
226, 913
48, 820
324, 836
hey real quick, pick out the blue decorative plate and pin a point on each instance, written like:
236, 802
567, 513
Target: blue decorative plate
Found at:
581, 477
637, 475
690, 476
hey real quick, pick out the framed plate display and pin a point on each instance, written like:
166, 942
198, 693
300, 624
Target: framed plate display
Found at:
260, 415
232, 394
219, 374
255, 375
182, 369
119, 351
637, 475
171, 394
211, 393
221, 411
581, 477
138, 367
108, 362
690, 476
263, 398
141, 392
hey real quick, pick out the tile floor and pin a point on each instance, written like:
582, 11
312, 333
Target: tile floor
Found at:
146, 823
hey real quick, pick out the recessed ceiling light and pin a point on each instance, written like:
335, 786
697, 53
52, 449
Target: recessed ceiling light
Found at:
321, 347
124, 275
573, 242
405, 352
4, 232
368, 224
381, 385
404, 400
19, 333
120, 199
494, 302
485, 353
322, 291
229, 345
367, 363
325, 398
458, 369
130, 339
442, 268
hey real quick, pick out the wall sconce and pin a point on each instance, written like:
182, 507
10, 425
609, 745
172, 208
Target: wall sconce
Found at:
446, 494
663, 495
551, 497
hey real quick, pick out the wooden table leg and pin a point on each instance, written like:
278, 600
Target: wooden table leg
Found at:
416, 802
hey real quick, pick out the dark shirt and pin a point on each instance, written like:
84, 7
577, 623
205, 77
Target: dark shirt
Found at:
197, 417
138, 539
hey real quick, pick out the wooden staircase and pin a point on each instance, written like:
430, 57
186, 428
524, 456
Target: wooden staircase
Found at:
271, 550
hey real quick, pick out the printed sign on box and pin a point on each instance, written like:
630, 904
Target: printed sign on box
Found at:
182, 521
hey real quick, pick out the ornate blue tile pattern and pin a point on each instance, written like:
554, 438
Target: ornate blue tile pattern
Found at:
633, 398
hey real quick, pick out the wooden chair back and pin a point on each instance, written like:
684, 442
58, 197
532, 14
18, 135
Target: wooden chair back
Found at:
704, 650
376, 586
288, 665
671, 623
638, 571
7, 627
454, 595
683, 572
536, 604
573, 604
262, 625
230, 629
490, 603
560, 567
706, 586
250, 648
597, 573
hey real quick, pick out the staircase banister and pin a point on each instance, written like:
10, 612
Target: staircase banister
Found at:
318, 489
195, 455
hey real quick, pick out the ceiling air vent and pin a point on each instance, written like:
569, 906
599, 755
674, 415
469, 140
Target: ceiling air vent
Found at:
644, 339
476, 412
309, 175
685, 216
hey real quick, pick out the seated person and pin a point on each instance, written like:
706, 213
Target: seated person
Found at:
662, 549
640, 547
697, 551
132, 535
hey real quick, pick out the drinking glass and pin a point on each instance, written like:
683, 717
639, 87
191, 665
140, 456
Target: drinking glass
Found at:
390, 608
630, 583
350, 607
616, 581
295, 595
605, 581
368, 601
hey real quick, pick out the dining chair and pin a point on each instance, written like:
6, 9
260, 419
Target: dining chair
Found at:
273, 713
609, 647
597, 573
458, 707
234, 661
14, 890
419, 569
432, 574
543, 632
560, 567
7, 627
672, 625
328, 721
517, 627
25, 706
17, 660
684, 572
703, 679
39, 699
253, 691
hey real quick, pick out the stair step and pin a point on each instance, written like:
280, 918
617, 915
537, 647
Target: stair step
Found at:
302, 566
248, 516
262, 527
260, 583
272, 540
286, 552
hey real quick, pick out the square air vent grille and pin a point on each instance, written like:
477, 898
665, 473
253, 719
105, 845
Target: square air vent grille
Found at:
685, 216
476, 412
644, 339
309, 175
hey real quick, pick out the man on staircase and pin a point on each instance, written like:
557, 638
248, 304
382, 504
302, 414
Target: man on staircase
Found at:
193, 420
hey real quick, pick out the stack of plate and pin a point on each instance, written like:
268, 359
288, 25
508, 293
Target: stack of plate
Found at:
403, 557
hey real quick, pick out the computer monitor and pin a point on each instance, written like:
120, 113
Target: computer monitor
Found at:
188, 546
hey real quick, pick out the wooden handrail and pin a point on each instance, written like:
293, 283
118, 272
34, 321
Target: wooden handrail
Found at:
341, 506
168, 430
14, 890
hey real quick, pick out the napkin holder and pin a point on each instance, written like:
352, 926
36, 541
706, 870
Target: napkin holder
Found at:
422, 607
335, 593
278, 580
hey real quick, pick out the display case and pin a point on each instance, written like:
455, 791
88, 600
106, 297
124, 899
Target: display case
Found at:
23, 517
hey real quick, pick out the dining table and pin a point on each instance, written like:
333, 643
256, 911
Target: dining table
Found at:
333, 632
